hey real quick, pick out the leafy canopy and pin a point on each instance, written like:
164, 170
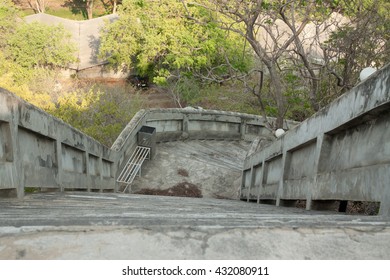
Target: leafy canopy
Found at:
158, 39
8, 20
40, 45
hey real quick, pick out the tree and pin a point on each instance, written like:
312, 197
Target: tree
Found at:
159, 40
100, 113
8, 20
111, 5
362, 41
85, 7
89, 7
294, 66
39, 45
272, 29
38, 5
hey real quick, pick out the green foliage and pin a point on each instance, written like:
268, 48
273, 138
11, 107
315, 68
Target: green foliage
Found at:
363, 41
65, 13
189, 90
31, 189
159, 40
226, 97
298, 100
8, 20
39, 45
100, 114
24, 82
29, 59
30, 56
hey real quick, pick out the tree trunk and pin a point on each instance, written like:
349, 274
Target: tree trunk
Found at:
114, 6
277, 91
89, 9
40, 6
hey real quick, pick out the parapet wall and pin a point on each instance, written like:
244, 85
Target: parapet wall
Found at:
40, 151
341, 153
183, 124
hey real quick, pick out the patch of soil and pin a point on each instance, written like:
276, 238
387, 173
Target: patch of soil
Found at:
152, 96
183, 189
182, 172
158, 98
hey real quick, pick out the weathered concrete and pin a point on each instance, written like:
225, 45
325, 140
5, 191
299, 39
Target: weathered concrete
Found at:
118, 226
38, 150
214, 167
189, 124
341, 153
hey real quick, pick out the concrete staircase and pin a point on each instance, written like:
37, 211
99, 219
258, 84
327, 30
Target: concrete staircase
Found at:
118, 226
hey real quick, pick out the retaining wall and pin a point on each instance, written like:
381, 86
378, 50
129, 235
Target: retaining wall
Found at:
341, 153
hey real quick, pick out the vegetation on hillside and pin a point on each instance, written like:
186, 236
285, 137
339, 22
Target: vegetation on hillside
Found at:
71, 9
249, 56
99, 112
159, 41
297, 74
259, 46
31, 58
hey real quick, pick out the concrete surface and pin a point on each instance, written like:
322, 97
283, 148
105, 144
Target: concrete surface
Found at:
120, 226
340, 153
39, 150
189, 124
214, 167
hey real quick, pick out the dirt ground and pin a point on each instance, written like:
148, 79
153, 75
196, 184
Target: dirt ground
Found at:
184, 189
53, 5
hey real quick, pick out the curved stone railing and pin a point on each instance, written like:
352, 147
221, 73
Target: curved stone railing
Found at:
342, 153
40, 151
183, 124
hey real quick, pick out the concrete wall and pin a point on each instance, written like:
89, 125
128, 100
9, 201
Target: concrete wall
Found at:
40, 151
341, 153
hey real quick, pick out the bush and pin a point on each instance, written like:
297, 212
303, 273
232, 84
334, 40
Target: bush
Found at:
101, 115
39, 45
